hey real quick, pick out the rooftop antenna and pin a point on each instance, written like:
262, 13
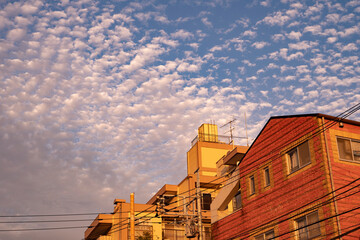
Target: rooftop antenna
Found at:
230, 123
247, 139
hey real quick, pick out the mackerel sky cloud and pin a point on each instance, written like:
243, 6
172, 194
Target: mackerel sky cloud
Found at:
99, 99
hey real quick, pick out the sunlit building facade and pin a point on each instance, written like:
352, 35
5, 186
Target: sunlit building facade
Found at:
172, 213
299, 180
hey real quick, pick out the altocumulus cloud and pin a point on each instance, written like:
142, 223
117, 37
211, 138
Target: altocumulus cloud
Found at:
100, 99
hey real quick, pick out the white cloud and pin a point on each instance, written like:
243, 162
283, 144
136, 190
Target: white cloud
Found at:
216, 48
294, 35
162, 19
206, 22
272, 66
320, 70
349, 31
315, 30
29, 8
247, 62
313, 9
265, 3
304, 45
297, 5
260, 45
333, 17
226, 80
182, 34
347, 18
331, 39
276, 19
302, 69
349, 47
143, 56
277, 37
249, 33
336, 67
16, 34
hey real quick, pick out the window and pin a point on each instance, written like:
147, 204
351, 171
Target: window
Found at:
349, 149
267, 235
308, 226
252, 185
206, 201
237, 201
299, 157
267, 176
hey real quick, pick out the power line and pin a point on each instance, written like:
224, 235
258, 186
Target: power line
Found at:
346, 114
50, 215
312, 128
41, 229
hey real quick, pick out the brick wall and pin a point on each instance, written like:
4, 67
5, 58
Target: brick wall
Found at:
289, 195
345, 174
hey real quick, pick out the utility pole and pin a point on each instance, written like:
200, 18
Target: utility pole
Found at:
198, 196
132, 217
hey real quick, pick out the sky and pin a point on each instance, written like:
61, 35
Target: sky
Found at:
99, 99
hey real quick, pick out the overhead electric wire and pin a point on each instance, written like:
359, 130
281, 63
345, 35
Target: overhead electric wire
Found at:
318, 130
319, 221
41, 229
312, 128
329, 123
271, 223
62, 220
50, 215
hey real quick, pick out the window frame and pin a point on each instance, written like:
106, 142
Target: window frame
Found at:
267, 177
237, 201
296, 150
263, 235
304, 230
252, 185
206, 205
351, 140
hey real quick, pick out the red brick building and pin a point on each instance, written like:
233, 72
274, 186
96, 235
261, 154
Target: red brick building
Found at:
298, 180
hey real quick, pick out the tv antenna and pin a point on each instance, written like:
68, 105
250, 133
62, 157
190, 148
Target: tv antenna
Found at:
231, 129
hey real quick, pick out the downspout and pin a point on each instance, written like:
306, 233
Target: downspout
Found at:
331, 179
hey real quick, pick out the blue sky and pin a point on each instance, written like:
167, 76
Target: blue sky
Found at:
102, 98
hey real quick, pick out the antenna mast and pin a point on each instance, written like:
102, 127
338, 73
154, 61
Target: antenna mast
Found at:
230, 123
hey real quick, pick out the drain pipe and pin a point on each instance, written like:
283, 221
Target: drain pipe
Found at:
331, 179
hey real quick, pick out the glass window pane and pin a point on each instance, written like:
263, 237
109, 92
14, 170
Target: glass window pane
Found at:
259, 237
344, 149
293, 160
269, 235
301, 223
356, 150
252, 185
237, 202
267, 176
304, 154
314, 230
206, 201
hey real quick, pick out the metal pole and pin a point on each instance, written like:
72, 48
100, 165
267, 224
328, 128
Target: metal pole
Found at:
198, 196
247, 139
132, 217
